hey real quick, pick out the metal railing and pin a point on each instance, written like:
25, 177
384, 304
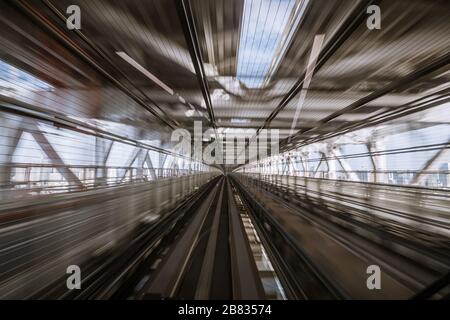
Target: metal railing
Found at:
20, 180
41, 236
429, 178
412, 211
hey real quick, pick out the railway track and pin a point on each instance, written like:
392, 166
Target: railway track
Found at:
111, 273
293, 224
210, 258
201, 250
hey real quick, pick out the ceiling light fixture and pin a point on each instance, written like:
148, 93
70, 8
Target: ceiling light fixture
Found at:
147, 73
237, 120
220, 94
181, 99
189, 113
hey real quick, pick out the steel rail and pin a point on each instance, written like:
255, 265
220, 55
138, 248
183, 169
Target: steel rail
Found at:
168, 277
344, 227
246, 282
111, 275
305, 280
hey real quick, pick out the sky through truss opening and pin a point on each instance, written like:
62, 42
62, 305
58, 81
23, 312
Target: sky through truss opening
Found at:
266, 31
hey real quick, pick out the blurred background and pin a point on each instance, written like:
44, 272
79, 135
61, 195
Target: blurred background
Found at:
89, 174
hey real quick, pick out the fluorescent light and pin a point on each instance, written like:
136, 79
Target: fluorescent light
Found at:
147, 73
237, 120
181, 99
220, 94
189, 113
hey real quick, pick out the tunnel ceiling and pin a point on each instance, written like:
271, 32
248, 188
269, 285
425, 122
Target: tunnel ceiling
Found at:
231, 63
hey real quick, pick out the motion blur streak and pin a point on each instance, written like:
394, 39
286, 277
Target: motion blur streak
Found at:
89, 175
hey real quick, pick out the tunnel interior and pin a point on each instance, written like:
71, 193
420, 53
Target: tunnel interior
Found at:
224, 150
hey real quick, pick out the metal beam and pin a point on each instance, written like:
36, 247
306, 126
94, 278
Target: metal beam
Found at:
413, 76
8, 145
130, 163
342, 34
421, 104
150, 166
421, 174
53, 155
345, 165
66, 41
190, 34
